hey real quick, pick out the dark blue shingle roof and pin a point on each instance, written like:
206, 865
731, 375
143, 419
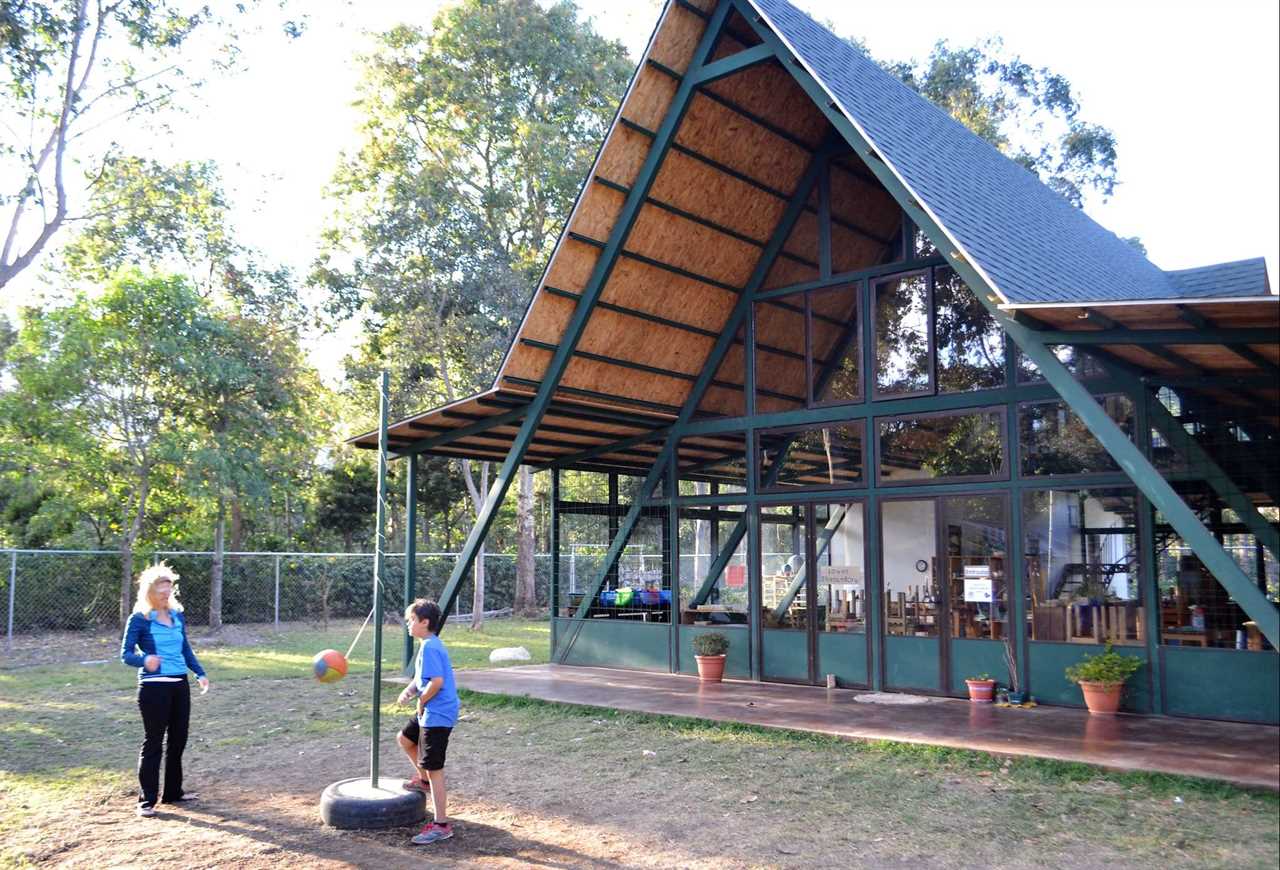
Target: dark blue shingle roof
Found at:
1033, 244
1241, 278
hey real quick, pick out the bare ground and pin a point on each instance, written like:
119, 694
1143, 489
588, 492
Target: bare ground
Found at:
542, 786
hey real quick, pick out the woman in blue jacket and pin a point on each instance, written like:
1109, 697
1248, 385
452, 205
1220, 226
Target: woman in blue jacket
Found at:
155, 642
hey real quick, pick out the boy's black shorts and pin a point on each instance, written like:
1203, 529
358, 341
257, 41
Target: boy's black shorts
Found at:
432, 743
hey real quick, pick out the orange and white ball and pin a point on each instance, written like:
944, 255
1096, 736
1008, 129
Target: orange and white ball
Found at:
329, 666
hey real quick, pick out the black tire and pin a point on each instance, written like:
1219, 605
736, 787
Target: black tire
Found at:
342, 806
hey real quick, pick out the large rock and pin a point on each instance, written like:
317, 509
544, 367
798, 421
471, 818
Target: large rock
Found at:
509, 654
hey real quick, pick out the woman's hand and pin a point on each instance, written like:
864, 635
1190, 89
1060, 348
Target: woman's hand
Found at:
204, 684
151, 663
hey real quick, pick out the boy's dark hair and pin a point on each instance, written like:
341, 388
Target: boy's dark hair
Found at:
425, 610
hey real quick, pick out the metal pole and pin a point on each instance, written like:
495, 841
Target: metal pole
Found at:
379, 545
277, 598
410, 551
13, 582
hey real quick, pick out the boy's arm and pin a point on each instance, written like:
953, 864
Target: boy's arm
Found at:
429, 691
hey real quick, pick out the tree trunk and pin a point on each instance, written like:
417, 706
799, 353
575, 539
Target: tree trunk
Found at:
215, 573
126, 580
526, 602
132, 531
477, 596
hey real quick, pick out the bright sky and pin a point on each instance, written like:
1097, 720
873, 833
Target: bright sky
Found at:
1191, 90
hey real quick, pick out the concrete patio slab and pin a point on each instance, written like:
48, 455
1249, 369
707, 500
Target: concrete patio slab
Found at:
1238, 753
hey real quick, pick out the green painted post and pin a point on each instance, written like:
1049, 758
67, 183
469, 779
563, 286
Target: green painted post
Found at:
1254, 602
410, 551
380, 543
553, 594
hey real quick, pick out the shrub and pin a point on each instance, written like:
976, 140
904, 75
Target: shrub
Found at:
1107, 667
712, 643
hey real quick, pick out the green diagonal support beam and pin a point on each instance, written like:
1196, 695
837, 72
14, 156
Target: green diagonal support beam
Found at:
1184, 521
740, 311
591, 293
824, 541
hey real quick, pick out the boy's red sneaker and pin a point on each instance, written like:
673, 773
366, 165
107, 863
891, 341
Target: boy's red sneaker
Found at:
433, 833
416, 784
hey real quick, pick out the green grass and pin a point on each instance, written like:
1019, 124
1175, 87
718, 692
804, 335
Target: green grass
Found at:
287, 653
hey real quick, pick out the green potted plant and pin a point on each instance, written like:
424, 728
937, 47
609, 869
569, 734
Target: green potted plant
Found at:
982, 688
1101, 678
709, 650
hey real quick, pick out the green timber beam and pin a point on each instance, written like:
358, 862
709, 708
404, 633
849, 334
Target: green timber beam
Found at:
823, 542
736, 318
736, 62
591, 293
484, 424
1238, 346
1252, 600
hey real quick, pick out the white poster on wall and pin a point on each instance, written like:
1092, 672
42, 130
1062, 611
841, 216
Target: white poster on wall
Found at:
837, 575
977, 583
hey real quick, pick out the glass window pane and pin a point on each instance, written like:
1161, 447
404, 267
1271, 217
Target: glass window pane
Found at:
903, 354
976, 529
707, 459
1195, 609
911, 593
1082, 566
837, 369
823, 457
1053, 440
706, 535
783, 597
954, 446
1080, 364
841, 580
780, 360
970, 342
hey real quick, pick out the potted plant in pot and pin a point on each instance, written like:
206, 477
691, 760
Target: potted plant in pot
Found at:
709, 650
1101, 678
982, 688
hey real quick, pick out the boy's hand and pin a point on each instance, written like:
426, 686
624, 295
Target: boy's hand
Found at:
405, 696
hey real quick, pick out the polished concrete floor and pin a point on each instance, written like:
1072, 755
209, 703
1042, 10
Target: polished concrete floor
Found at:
1239, 753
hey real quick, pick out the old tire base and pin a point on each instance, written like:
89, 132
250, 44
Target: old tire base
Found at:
351, 804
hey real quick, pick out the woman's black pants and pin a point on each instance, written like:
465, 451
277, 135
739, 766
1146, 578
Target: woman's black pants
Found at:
166, 708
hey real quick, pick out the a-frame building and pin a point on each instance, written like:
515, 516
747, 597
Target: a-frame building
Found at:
801, 317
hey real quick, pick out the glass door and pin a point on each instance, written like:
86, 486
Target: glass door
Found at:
914, 606
785, 592
841, 593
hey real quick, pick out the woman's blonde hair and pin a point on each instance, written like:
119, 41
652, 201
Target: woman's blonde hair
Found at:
150, 577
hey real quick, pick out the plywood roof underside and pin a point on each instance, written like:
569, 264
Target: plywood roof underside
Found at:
738, 157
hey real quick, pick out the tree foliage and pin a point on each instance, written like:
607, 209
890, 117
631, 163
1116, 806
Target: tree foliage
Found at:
1031, 114
70, 68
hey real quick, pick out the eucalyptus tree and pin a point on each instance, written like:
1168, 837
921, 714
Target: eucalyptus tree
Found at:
476, 137
73, 75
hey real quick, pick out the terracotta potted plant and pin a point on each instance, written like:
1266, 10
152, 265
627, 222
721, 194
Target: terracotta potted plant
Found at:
982, 688
1101, 679
709, 650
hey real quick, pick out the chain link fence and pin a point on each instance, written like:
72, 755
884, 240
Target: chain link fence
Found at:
79, 590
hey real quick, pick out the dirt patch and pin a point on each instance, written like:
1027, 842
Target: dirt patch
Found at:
544, 785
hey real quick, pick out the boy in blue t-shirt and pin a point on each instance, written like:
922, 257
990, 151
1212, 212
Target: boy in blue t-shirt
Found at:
426, 736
